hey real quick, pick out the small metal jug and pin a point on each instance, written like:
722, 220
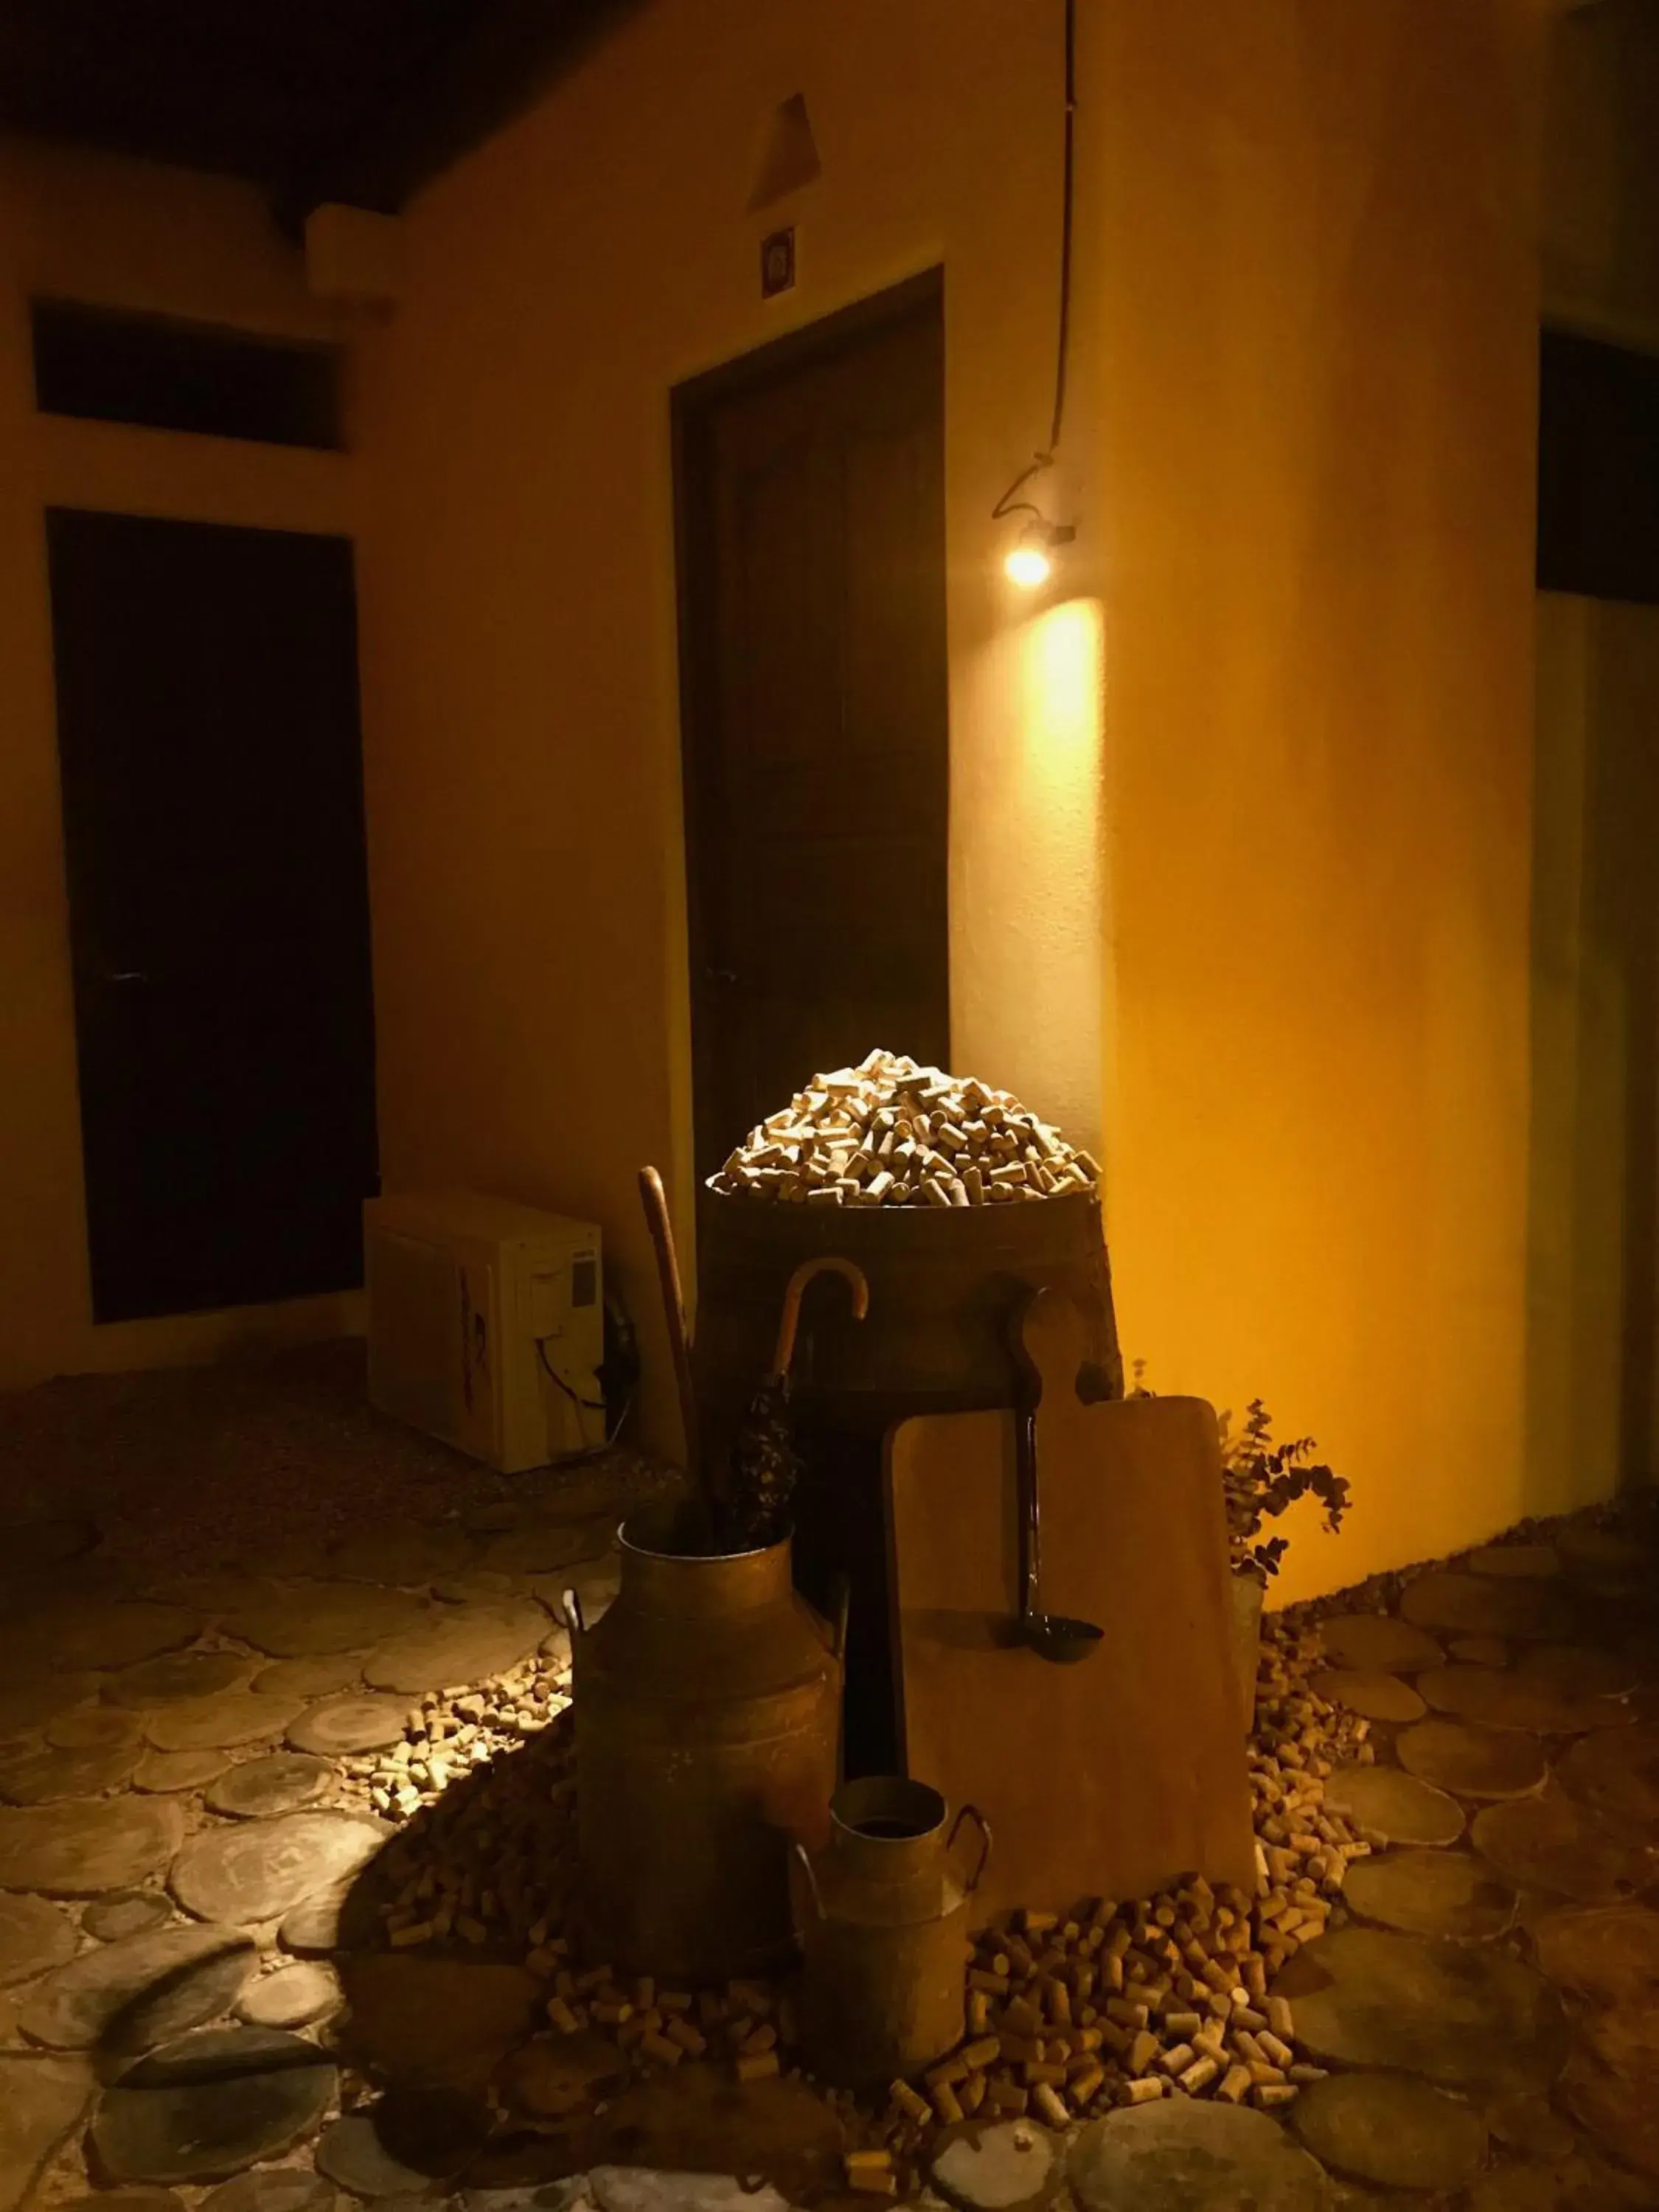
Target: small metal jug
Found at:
883, 1916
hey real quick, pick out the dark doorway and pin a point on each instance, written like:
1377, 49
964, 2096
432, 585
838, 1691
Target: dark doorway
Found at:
812, 564
213, 821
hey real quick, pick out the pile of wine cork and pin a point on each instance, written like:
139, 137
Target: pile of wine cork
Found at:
1167, 1996
891, 1133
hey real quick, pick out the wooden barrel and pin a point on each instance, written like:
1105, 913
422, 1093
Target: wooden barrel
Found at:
943, 1282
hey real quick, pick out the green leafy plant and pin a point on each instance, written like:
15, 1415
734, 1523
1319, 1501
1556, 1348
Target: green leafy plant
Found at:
1260, 1478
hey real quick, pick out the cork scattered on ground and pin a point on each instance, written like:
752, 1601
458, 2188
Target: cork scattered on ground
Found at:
287, 1841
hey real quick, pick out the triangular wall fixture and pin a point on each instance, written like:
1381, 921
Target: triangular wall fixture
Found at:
790, 156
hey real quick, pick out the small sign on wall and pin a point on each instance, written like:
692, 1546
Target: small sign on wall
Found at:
778, 262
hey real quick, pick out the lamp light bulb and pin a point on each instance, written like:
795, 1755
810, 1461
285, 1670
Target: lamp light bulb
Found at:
1027, 565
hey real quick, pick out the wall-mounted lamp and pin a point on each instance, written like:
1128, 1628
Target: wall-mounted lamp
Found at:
1030, 561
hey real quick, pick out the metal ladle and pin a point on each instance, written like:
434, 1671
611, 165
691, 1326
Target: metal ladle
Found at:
1052, 1636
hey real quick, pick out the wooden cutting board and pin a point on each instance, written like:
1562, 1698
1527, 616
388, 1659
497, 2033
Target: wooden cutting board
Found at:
1113, 1776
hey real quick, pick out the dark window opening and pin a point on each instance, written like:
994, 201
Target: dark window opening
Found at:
1598, 470
103, 365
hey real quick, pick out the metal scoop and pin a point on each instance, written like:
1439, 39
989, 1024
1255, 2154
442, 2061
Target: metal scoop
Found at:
1052, 1636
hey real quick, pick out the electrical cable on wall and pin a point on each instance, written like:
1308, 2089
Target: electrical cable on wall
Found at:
1028, 561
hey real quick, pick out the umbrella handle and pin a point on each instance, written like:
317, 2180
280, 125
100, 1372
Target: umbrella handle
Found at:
852, 1274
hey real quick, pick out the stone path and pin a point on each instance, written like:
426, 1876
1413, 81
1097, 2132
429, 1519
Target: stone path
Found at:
284, 1849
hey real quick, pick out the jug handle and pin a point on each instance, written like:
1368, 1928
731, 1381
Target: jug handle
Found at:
972, 1812
571, 1606
811, 1879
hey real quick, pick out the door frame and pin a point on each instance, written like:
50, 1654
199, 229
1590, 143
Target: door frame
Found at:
690, 404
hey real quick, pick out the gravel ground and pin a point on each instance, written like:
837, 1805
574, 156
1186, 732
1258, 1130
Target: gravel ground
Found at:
183, 1469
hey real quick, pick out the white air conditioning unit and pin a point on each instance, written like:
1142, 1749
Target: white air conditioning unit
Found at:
486, 1325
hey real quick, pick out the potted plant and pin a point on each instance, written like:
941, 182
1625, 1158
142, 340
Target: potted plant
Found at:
1260, 1478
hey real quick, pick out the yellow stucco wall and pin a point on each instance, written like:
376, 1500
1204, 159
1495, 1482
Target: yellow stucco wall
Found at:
1319, 410
120, 233
1300, 456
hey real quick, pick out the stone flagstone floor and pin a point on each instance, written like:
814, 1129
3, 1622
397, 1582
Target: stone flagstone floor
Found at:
282, 1835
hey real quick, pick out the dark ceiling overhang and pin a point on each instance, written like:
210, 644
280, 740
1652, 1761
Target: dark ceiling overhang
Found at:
359, 100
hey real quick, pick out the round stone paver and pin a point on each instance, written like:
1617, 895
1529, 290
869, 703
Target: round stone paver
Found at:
1551, 1843
272, 2189
1378, 1643
263, 1787
130, 1995
177, 1675
41, 1777
291, 1997
225, 1722
1471, 1761
1430, 1892
1476, 1604
1588, 1550
259, 1868
1369, 1691
1390, 2128
460, 1644
33, 1936
327, 1921
1515, 1562
1396, 1807
1579, 1670
1615, 1774
1011, 2166
1583, 2183
82, 1849
115, 1633
1460, 2014
476, 1586
126, 1912
351, 2151
1182, 2154
302, 1620
542, 1548
165, 1772
1530, 2124
1608, 1953
344, 1726
28, 1700
1620, 2108
323, 1675
91, 1727
40, 2101
407, 1556
1500, 1697
211, 2104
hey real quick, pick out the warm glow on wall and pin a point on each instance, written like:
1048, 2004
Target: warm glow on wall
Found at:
1028, 891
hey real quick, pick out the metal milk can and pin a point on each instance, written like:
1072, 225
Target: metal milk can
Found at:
883, 1920
708, 1704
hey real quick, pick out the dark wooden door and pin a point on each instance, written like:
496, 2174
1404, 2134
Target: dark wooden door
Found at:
817, 754
212, 781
